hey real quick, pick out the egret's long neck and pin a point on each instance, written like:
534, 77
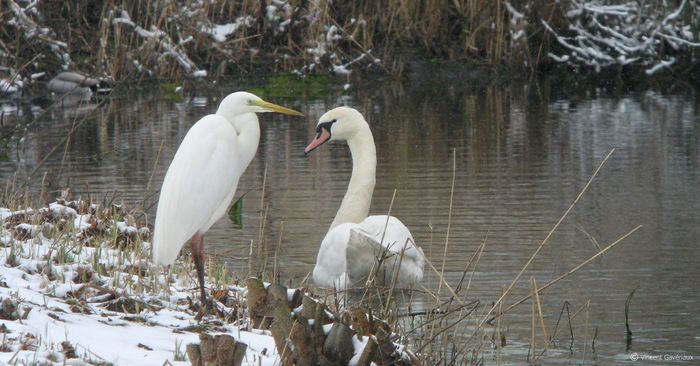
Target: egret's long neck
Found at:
355, 205
248, 130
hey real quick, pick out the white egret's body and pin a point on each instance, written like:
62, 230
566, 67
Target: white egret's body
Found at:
355, 243
202, 178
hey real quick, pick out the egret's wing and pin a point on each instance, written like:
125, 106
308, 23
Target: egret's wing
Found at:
200, 180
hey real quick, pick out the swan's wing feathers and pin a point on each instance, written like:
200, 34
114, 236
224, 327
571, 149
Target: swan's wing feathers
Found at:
361, 255
199, 179
397, 240
350, 252
393, 233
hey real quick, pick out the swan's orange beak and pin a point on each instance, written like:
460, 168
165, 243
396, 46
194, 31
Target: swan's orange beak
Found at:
321, 138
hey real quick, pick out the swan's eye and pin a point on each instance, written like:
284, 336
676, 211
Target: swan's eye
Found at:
326, 125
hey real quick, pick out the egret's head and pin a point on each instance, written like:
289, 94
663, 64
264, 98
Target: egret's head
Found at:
243, 102
341, 123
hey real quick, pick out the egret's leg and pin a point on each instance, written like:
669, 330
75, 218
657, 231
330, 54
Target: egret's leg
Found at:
198, 255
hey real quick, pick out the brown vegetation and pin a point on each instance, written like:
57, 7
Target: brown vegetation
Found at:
135, 39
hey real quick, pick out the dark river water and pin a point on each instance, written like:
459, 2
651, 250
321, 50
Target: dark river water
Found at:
521, 153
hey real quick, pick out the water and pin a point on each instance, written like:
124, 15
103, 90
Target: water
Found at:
521, 155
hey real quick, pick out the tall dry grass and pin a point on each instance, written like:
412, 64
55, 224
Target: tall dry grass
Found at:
294, 35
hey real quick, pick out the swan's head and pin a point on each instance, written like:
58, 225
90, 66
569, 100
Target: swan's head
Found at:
341, 123
243, 102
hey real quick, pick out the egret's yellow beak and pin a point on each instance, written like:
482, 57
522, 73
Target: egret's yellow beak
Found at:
270, 107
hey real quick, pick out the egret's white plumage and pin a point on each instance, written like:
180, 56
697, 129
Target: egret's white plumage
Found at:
202, 178
350, 250
195, 195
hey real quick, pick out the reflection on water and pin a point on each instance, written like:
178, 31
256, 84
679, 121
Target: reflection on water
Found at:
521, 158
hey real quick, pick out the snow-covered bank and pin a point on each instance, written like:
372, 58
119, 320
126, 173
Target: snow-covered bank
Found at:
76, 287
67, 298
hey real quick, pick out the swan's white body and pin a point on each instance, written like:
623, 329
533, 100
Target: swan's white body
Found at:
202, 178
355, 243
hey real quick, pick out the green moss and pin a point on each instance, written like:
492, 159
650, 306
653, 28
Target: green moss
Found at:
170, 92
290, 85
4, 151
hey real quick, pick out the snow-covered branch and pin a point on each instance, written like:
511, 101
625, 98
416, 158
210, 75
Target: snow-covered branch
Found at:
164, 41
601, 34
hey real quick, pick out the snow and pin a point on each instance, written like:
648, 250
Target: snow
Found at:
358, 344
61, 289
602, 35
174, 37
341, 70
165, 43
7, 87
663, 64
221, 31
103, 335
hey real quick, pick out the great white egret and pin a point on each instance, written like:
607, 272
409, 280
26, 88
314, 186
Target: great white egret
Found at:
354, 242
202, 178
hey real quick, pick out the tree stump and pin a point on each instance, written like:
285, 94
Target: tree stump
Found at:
219, 350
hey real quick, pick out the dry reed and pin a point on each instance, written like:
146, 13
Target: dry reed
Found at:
132, 39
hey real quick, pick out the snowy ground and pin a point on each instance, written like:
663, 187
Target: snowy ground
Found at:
58, 309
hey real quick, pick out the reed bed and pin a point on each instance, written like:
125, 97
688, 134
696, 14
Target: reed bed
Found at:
134, 39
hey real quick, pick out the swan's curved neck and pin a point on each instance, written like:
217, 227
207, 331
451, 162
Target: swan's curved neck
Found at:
355, 205
248, 129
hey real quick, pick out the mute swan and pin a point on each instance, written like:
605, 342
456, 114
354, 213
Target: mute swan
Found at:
350, 249
202, 178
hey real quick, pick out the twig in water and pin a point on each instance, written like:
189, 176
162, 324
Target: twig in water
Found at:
550, 283
546, 239
153, 172
539, 312
449, 218
442, 280
275, 270
628, 337
564, 307
589, 236
263, 219
585, 333
533, 326
476, 254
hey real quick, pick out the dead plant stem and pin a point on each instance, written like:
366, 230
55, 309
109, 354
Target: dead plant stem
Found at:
546, 239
